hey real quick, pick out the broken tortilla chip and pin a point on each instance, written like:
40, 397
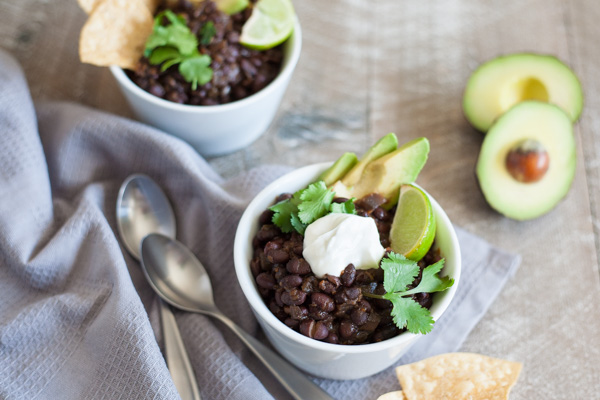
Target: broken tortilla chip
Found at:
88, 5
116, 33
456, 376
392, 396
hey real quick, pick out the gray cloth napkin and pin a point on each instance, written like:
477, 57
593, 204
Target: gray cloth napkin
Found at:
78, 320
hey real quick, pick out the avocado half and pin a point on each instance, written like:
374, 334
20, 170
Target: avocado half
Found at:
531, 120
499, 84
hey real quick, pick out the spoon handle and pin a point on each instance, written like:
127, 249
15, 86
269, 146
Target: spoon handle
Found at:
294, 381
177, 357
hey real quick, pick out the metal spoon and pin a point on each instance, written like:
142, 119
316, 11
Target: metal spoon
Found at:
181, 280
143, 208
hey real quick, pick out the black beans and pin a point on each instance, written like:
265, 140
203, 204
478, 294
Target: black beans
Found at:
294, 297
330, 308
265, 280
347, 329
298, 266
359, 316
314, 330
290, 281
278, 256
348, 275
323, 301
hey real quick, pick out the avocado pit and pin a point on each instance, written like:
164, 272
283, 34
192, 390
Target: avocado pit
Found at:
527, 161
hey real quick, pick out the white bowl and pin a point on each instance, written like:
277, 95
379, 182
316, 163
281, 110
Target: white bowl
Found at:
217, 129
323, 359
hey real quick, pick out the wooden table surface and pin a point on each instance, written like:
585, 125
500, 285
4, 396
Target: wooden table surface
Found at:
372, 67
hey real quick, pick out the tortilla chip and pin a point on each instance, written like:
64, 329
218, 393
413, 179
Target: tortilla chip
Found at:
392, 396
456, 376
116, 33
88, 5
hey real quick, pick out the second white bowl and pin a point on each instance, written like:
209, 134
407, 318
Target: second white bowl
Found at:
219, 129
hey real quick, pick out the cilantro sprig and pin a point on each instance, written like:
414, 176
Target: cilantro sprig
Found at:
175, 44
306, 206
400, 272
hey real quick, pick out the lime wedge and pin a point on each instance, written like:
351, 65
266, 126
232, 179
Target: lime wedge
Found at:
271, 23
232, 6
413, 228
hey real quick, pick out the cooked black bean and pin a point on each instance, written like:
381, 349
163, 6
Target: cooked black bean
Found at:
292, 323
298, 313
298, 266
327, 286
267, 232
310, 284
316, 313
359, 316
255, 266
332, 338
314, 330
265, 280
348, 275
265, 217
294, 297
278, 256
323, 301
347, 329
290, 281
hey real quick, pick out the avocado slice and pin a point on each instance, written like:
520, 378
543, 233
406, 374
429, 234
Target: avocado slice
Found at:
339, 169
383, 146
386, 174
516, 196
499, 84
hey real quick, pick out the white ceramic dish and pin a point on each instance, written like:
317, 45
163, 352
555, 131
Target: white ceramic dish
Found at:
219, 129
322, 359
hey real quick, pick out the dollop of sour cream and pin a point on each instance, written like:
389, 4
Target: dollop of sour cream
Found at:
336, 240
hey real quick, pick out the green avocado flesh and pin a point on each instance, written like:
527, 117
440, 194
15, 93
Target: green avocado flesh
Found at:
383, 146
386, 174
541, 122
501, 83
339, 169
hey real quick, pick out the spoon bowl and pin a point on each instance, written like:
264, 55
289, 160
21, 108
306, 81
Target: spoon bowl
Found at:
142, 208
176, 274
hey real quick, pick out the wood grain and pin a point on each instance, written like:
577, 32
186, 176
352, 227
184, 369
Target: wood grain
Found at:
368, 68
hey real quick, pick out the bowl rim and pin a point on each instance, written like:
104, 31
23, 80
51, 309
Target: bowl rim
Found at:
258, 305
295, 40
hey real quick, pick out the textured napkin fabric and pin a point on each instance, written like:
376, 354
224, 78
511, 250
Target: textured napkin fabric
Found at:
78, 320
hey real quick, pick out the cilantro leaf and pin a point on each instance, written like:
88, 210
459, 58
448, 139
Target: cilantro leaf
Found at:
431, 281
398, 272
176, 35
316, 200
196, 70
297, 224
207, 32
167, 55
346, 207
284, 212
408, 313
